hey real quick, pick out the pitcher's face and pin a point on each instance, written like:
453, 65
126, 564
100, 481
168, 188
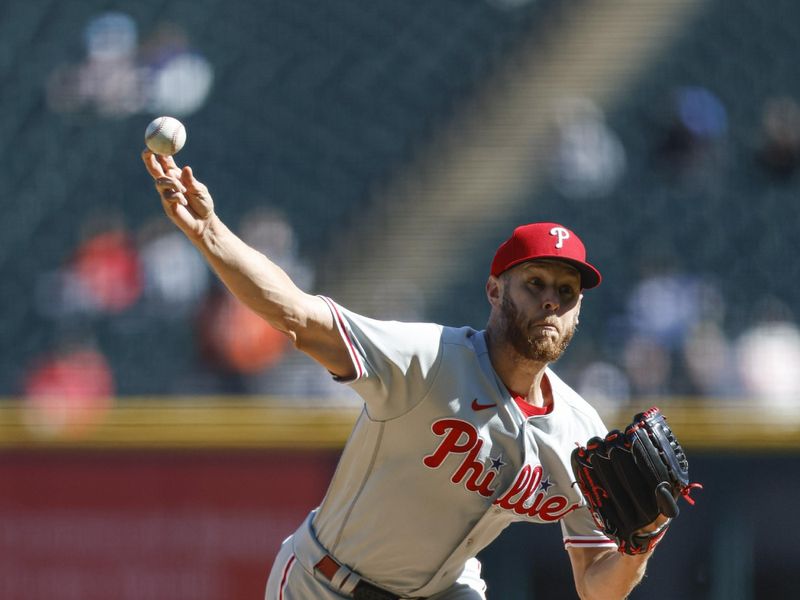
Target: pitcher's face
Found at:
539, 307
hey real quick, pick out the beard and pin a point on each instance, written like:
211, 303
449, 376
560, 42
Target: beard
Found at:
516, 330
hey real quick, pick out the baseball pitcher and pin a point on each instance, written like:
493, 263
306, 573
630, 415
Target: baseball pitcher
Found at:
462, 431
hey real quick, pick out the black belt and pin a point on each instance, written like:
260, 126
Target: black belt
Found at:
328, 567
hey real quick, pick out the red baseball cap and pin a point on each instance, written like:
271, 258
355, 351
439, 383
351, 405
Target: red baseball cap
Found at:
545, 240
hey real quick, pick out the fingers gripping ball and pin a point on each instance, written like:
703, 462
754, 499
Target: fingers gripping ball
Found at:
629, 478
165, 136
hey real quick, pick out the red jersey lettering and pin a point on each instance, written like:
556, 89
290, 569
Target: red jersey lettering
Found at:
454, 431
526, 496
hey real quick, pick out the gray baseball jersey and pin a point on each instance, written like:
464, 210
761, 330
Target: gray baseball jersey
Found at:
440, 461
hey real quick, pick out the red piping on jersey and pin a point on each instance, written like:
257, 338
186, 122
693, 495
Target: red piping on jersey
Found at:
597, 541
343, 331
285, 575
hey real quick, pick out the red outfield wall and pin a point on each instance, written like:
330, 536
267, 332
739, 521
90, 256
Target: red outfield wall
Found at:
199, 525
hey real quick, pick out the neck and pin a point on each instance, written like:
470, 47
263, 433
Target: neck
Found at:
522, 376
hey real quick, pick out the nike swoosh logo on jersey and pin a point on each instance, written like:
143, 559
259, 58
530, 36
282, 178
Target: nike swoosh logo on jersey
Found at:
478, 406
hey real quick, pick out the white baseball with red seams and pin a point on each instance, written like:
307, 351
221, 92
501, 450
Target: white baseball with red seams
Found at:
440, 461
165, 136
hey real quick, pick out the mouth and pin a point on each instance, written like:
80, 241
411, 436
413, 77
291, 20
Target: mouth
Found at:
546, 326
543, 331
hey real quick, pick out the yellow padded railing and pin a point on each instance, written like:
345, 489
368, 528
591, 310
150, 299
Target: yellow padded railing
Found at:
140, 423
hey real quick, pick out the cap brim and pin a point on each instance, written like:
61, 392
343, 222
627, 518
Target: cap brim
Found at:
590, 277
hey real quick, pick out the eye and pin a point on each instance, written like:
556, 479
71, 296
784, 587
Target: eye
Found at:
567, 291
536, 282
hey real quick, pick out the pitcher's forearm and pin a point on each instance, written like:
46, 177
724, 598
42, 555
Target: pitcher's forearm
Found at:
254, 279
613, 576
606, 574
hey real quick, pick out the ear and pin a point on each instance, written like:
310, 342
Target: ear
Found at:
494, 290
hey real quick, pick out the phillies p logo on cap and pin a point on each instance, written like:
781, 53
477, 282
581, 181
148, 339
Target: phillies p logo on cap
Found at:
545, 240
562, 235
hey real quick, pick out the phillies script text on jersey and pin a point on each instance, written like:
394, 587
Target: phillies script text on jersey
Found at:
461, 437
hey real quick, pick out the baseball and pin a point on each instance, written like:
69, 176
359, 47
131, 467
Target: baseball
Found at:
165, 136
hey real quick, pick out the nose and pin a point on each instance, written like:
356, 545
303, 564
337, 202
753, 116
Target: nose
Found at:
550, 300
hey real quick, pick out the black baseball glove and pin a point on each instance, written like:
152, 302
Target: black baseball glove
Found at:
631, 477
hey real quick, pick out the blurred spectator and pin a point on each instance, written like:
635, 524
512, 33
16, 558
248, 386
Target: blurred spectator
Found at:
102, 276
107, 81
117, 78
175, 275
768, 356
698, 120
177, 78
68, 391
709, 361
667, 306
669, 342
589, 158
604, 385
779, 146
107, 266
236, 340
769, 361
648, 365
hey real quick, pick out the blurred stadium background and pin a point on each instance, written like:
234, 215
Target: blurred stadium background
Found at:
158, 441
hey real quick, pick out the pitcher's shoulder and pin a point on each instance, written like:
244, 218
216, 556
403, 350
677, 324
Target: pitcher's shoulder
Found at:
462, 336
